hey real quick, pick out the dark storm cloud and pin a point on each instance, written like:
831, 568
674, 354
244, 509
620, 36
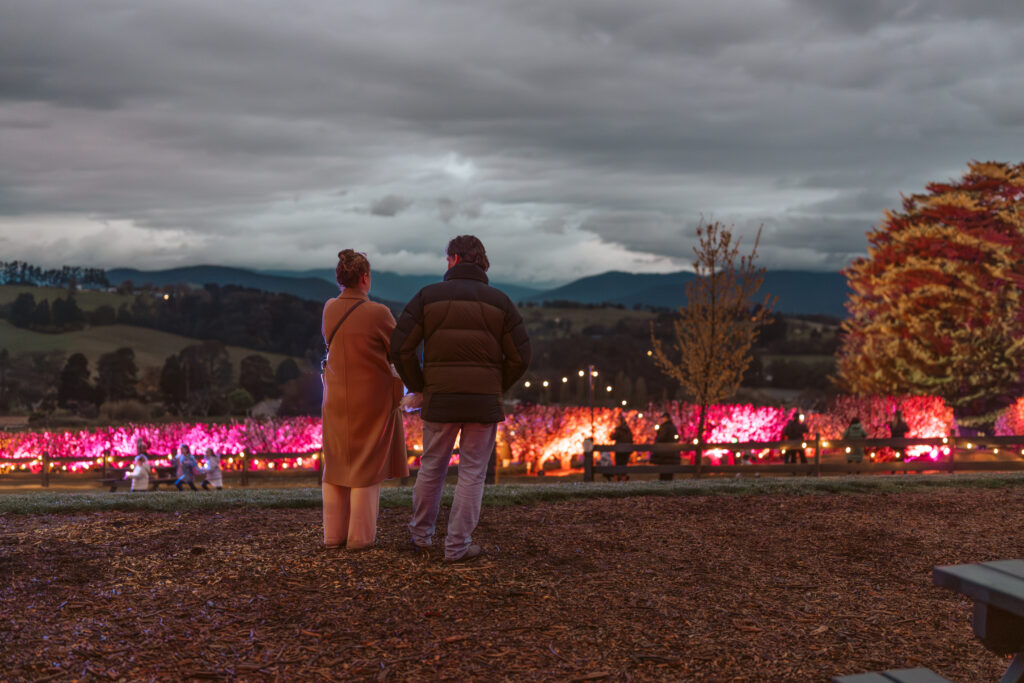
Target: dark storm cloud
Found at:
390, 205
593, 133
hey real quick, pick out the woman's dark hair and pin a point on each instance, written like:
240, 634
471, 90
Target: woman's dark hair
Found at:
352, 265
470, 250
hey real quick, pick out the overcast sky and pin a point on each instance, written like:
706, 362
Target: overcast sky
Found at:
572, 136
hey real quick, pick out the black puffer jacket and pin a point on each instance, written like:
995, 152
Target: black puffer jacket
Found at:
475, 347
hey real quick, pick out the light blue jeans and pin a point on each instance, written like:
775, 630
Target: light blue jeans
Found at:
475, 446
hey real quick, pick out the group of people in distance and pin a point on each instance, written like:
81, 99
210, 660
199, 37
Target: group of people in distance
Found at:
794, 430
186, 469
474, 348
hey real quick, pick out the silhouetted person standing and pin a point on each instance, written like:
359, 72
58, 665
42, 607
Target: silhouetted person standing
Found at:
667, 433
795, 430
898, 430
622, 434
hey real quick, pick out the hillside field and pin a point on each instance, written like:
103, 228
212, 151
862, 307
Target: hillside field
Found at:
557, 321
87, 299
151, 347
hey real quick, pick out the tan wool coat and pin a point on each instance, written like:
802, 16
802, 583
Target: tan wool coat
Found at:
364, 441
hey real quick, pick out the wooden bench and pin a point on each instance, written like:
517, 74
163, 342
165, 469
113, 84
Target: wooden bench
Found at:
997, 589
918, 675
158, 476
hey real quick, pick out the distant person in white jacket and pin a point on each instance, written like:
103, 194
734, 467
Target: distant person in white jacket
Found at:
140, 473
212, 471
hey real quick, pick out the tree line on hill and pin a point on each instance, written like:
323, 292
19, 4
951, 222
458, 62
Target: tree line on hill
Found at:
235, 316
22, 273
198, 381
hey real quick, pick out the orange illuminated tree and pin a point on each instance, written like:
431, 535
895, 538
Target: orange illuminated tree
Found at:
715, 329
935, 308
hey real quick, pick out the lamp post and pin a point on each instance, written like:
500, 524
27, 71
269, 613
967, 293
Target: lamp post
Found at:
590, 396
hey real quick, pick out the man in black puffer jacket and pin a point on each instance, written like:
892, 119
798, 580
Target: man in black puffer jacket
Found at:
475, 347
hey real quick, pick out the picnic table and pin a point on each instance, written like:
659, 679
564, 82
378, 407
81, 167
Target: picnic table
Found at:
998, 592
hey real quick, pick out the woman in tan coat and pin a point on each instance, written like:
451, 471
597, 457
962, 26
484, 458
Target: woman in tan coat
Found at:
364, 442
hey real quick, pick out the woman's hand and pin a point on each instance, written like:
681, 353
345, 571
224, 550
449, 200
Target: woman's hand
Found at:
411, 402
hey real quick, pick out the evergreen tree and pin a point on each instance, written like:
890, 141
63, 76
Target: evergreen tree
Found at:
74, 384
5, 365
173, 385
42, 319
936, 307
103, 315
117, 374
22, 309
256, 376
287, 370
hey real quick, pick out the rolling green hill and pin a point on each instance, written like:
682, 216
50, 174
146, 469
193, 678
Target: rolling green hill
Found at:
151, 347
88, 300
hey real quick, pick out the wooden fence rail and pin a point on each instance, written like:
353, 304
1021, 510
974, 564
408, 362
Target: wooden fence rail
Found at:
244, 463
945, 462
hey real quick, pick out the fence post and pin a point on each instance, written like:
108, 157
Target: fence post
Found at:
588, 459
817, 453
245, 467
699, 459
46, 469
952, 452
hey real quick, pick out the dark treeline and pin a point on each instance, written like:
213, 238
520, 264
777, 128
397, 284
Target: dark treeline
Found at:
21, 273
236, 316
63, 315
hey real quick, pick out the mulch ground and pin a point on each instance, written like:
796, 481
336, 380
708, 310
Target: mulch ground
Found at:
767, 588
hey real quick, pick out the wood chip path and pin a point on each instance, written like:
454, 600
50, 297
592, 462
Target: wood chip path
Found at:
763, 588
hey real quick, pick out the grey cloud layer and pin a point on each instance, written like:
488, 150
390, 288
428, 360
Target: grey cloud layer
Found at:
578, 135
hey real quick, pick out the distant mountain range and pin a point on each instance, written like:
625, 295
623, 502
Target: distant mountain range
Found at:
798, 292
395, 287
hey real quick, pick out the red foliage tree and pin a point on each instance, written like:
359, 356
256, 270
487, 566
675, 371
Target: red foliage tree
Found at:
936, 308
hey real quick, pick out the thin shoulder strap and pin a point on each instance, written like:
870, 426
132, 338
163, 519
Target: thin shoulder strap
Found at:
347, 314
